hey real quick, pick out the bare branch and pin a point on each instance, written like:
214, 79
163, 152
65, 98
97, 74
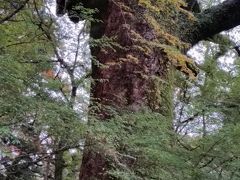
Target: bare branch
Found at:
9, 16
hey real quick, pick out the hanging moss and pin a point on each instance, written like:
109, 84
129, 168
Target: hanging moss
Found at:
181, 61
160, 95
167, 42
162, 5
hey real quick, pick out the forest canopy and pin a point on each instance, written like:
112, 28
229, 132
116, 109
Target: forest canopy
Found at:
119, 89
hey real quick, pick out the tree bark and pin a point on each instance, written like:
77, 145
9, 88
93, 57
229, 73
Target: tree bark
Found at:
215, 20
126, 81
149, 47
59, 165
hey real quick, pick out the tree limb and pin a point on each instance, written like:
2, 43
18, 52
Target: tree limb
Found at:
216, 19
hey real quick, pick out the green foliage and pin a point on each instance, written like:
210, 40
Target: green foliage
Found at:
145, 144
140, 145
30, 114
209, 112
204, 146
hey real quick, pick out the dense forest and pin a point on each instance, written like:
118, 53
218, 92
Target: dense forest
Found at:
119, 89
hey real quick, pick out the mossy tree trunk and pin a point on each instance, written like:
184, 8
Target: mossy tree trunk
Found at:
136, 74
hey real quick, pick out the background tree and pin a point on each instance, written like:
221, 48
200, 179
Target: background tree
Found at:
39, 121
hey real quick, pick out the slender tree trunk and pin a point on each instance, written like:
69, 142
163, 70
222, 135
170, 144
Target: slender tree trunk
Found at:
46, 168
59, 165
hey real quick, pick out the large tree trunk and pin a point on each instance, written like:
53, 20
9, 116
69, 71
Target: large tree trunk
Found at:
135, 75
152, 38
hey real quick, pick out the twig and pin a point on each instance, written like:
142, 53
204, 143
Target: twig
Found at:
8, 17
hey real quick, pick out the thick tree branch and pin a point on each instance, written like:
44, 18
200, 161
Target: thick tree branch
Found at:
216, 19
193, 5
